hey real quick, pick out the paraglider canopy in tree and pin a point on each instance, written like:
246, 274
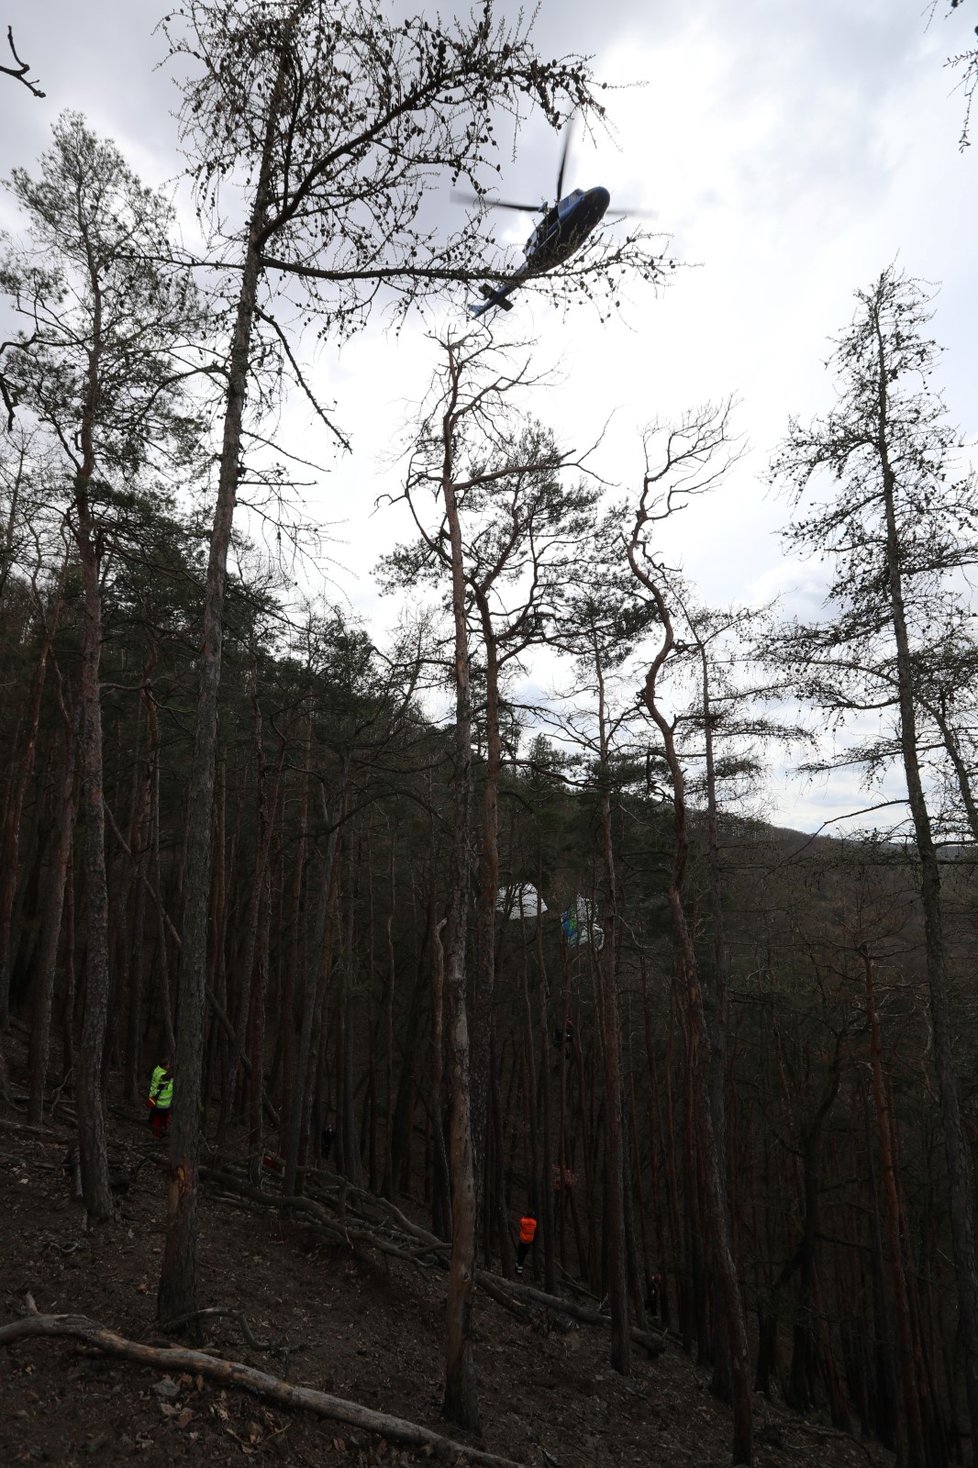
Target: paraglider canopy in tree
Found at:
520, 901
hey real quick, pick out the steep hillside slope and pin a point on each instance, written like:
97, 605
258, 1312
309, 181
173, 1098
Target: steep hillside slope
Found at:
320, 1311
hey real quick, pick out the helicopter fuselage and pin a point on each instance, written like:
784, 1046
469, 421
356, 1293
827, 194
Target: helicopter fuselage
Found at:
562, 230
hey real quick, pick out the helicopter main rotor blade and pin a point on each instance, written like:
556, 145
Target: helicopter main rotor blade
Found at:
461, 196
563, 160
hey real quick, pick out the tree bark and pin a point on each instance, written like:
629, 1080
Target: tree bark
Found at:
485, 913
607, 962
315, 977
43, 998
909, 1429
10, 866
93, 1156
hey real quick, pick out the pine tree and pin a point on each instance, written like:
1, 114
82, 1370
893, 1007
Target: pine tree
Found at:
899, 521
98, 368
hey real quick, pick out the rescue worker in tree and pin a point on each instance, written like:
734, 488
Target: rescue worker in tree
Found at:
528, 1231
653, 1294
160, 1098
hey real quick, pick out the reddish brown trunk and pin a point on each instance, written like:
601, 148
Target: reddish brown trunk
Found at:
909, 1429
9, 865
317, 967
47, 957
88, 1092
287, 1023
389, 1026
485, 914
441, 1193
545, 1200
607, 973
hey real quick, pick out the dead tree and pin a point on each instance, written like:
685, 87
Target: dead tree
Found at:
693, 460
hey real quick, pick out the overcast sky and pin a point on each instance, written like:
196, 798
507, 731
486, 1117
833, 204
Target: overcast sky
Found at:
791, 152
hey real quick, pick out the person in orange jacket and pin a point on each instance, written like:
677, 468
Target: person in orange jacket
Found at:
528, 1232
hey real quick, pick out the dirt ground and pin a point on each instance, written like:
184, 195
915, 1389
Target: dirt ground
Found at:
369, 1332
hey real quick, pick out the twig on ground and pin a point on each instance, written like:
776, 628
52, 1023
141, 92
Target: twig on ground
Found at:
214, 1312
42, 1133
792, 1422
56, 1098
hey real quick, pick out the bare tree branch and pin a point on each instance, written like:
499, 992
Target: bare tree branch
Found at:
21, 69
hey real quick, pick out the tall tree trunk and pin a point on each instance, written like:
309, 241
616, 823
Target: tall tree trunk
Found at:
546, 1198
606, 975
10, 865
718, 980
699, 1044
314, 984
43, 998
177, 1295
68, 1001
400, 1138
93, 1157
140, 847
245, 965
287, 1022
166, 1000
484, 979
909, 1429
441, 1199
460, 1401
506, 1252
256, 1036
347, 1132
531, 1098
388, 1014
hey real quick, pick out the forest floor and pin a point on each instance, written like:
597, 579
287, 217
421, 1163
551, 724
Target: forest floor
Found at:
362, 1328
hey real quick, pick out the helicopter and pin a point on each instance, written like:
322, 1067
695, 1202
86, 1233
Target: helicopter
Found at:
562, 231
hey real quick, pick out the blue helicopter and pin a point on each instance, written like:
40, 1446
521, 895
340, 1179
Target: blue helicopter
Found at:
562, 230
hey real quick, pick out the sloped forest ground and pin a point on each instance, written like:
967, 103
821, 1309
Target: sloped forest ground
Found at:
321, 1309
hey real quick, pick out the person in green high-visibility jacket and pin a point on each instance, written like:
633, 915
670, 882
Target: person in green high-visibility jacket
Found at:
160, 1098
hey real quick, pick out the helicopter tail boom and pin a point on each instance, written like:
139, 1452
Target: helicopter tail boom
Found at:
492, 298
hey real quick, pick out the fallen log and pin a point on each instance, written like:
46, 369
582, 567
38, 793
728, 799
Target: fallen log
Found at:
506, 1292
345, 1231
41, 1133
235, 1373
653, 1342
